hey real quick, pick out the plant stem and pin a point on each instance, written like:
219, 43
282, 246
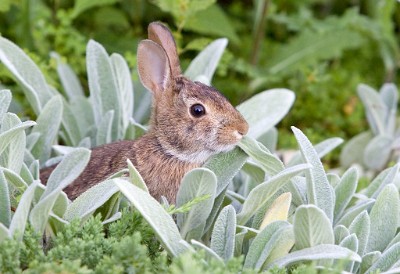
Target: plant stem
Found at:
259, 32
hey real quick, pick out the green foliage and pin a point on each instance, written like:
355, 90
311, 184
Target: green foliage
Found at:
84, 243
375, 148
9, 259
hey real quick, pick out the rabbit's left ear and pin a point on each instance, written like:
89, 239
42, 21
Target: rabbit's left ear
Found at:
153, 67
162, 35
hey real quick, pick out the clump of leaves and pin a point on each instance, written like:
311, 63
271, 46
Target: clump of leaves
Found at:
375, 148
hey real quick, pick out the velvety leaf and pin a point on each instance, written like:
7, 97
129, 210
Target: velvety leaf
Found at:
312, 227
161, 222
206, 61
321, 148
384, 178
69, 80
340, 232
264, 110
26, 73
104, 93
390, 97
319, 252
71, 133
270, 139
67, 170
113, 218
82, 110
350, 242
395, 240
354, 211
5, 205
344, 191
20, 218
263, 243
31, 140
142, 102
218, 201
278, 211
361, 226
13, 157
353, 150
95, 197
374, 107
261, 193
377, 152
239, 239
135, 176
48, 124
368, 260
333, 179
14, 179
389, 258
385, 216
125, 89
64, 174
9, 135
60, 206
283, 244
254, 171
225, 166
223, 234
319, 191
269, 162
196, 183
104, 129
5, 100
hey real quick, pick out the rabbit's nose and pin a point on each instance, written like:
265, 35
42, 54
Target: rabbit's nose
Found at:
243, 128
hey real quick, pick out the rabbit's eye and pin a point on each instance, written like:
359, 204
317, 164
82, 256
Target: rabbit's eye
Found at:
197, 110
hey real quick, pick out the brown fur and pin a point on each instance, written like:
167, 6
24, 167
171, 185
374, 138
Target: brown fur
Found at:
176, 142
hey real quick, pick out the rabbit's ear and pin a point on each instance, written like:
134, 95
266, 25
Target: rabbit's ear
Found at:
153, 66
161, 35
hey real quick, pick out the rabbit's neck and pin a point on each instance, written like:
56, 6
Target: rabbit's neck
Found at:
161, 171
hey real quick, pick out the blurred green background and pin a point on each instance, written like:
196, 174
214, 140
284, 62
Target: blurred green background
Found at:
319, 49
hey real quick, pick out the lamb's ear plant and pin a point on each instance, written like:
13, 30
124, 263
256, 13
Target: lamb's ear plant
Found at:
375, 148
334, 224
309, 237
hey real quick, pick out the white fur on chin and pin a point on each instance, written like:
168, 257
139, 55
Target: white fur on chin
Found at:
202, 156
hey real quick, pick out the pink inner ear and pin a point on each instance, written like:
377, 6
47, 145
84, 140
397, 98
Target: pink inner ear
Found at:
153, 66
159, 71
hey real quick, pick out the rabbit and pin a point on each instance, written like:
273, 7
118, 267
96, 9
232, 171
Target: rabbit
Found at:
189, 122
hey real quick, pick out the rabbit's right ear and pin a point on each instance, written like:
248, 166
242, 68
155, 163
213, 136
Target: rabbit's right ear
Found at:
160, 34
153, 66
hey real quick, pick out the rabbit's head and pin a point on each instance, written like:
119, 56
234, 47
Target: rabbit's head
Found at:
191, 120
